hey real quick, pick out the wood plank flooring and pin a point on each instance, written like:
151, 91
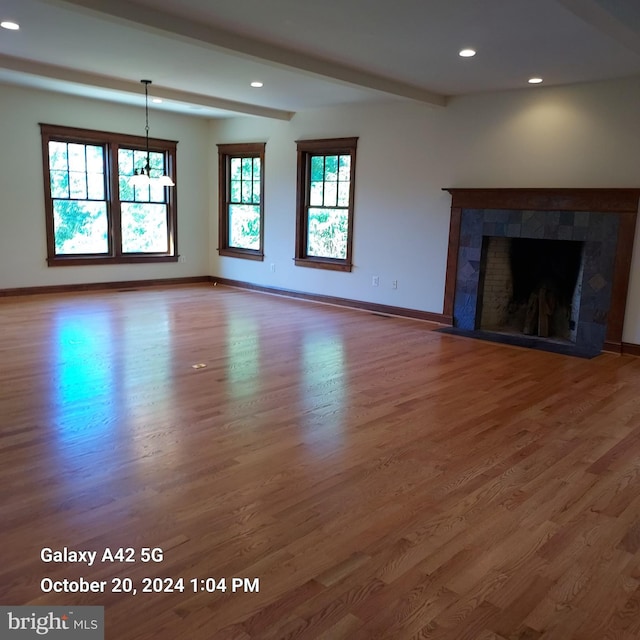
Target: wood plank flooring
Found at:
381, 480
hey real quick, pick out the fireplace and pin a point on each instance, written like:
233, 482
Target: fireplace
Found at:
548, 266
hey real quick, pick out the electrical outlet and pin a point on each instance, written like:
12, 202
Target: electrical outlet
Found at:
182, 259
394, 284
375, 281
273, 267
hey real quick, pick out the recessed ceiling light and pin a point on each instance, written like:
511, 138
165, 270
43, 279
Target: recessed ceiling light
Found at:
156, 100
12, 26
257, 84
535, 80
467, 53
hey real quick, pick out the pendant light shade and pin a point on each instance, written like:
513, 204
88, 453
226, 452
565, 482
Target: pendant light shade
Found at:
165, 181
142, 175
140, 178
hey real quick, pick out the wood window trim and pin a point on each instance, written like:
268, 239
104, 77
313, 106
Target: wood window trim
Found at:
225, 153
112, 142
306, 148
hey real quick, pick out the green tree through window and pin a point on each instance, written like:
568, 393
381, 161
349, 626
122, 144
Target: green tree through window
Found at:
77, 182
328, 213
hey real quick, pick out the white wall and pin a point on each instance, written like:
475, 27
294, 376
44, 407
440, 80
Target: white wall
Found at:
23, 248
578, 136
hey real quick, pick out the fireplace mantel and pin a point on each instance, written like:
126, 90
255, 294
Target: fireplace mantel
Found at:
622, 203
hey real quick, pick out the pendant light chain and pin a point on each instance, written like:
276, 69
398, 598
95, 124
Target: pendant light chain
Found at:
146, 128
142, 177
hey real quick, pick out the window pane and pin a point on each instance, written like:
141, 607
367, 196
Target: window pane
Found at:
315, 197
126, 190
330, 194
244, 226
96, 186
139, 159
247, 167
343, 194
58, 156
247, 192
156, 161
236, 191
76, 158
256, 168
144, 228
344, 172
317, 168
80, 227
236, 164
125, 162
59, 184
141, 193
156, 192
95, 159
327, 233
95, 172
78, 185
331, 168
256, 192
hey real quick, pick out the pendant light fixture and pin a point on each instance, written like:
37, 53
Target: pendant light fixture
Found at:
142, 176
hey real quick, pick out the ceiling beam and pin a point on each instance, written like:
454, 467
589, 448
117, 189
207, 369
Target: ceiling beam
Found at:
65, 74
211, 36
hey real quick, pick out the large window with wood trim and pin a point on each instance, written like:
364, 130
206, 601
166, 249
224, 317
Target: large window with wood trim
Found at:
241, 200
325, 188
94, 214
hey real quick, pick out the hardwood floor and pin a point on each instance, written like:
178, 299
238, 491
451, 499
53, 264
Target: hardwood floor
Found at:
381, 480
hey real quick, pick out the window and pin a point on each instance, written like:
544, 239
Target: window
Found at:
241, 197
324, 229
93, 214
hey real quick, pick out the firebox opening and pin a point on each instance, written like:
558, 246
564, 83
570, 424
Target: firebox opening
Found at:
531, 286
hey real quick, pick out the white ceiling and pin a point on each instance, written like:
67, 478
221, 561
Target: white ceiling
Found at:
202, 54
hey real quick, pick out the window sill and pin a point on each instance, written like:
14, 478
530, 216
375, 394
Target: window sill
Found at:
319, 263
247, 254
73, 261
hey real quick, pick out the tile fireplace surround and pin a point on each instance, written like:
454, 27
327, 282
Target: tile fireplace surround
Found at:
604, 219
